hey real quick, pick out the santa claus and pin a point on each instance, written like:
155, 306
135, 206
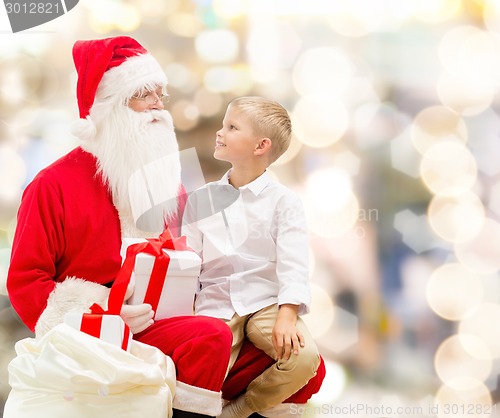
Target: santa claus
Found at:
73, 215
66, 249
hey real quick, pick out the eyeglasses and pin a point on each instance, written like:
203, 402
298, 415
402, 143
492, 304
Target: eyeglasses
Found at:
151, 98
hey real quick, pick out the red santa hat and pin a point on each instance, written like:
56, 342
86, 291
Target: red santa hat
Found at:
113, 67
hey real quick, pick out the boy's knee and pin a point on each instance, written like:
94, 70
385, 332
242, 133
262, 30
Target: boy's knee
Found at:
305, 364
309, 362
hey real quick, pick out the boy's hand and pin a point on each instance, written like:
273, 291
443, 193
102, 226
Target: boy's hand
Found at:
286, 337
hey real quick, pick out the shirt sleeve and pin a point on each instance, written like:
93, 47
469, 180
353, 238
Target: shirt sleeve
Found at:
292, 253
38, 243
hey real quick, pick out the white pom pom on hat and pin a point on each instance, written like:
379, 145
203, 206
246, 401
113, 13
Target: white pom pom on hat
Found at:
84, 129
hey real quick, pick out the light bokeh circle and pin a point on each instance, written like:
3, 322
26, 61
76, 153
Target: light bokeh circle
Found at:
331, 206
453, 290
448, 168
456, 218
462, 397
320, 120
483, 323
322, 70
320, 318
436, 123
453, 361
481, 253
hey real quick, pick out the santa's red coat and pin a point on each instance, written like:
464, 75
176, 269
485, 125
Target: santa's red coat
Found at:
66, 226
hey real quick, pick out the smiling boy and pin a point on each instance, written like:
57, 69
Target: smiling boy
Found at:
255, 255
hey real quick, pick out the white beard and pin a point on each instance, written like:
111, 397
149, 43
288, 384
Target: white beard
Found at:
138, 158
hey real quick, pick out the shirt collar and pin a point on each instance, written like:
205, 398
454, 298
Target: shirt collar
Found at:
255, 186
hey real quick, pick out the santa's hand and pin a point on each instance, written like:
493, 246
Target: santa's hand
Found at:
137, 317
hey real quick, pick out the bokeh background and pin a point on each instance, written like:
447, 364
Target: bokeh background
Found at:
395, 108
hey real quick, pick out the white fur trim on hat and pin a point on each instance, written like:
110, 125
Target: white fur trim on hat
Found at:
71, 295
133, 74
194, 399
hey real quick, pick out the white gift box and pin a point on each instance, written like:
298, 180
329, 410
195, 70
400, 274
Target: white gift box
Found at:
111, 328
179, 287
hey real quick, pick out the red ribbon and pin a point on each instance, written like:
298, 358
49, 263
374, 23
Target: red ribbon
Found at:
153, 246
126, 337
91, 323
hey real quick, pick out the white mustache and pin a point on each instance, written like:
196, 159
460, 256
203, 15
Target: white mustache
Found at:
154, 115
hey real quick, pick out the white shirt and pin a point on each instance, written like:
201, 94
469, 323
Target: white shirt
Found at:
254, 252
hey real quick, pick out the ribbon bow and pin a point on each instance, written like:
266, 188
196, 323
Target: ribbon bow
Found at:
153, 246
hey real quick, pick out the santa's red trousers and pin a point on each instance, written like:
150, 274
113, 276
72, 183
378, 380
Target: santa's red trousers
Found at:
199, 346
200, 349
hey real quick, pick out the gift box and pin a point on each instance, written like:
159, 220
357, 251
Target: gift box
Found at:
172, 291
109, 328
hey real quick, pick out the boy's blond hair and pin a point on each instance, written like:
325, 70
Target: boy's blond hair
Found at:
269, 120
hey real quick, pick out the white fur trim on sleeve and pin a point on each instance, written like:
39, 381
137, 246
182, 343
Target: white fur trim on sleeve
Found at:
194, 399
71, 295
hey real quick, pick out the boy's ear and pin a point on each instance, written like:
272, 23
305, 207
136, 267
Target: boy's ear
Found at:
263, 146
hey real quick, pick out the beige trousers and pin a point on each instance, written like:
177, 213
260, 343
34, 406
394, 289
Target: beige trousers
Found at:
283, 378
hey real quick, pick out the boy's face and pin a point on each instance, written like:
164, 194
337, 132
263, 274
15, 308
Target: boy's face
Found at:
235, 141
